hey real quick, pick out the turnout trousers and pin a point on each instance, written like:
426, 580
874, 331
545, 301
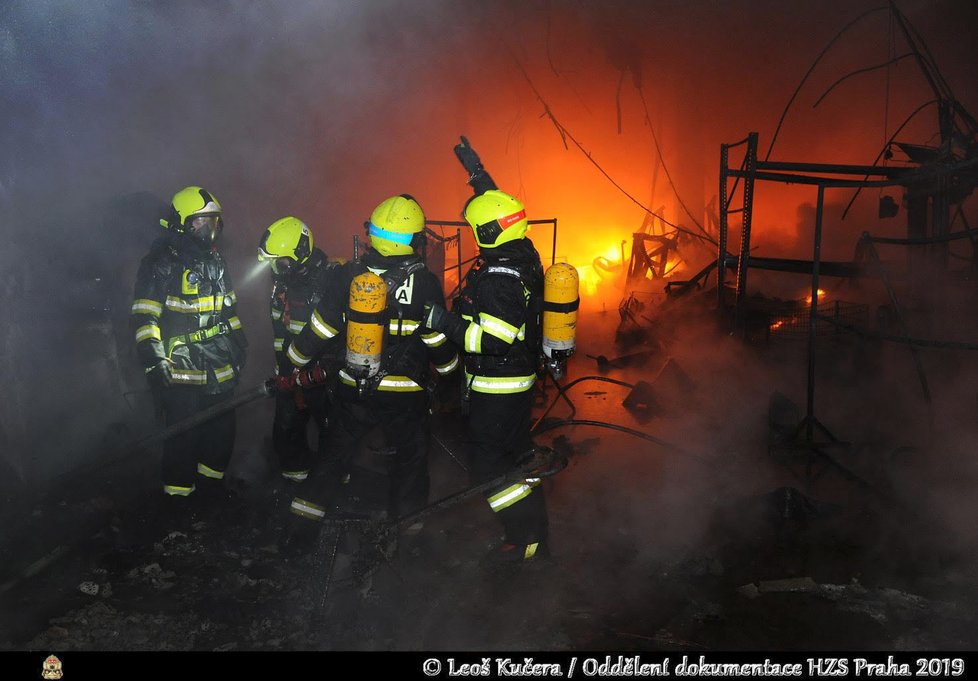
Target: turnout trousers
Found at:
498, 436
203, 450
293, 413
403, 419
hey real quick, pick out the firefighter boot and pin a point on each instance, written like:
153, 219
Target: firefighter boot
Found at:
518, 554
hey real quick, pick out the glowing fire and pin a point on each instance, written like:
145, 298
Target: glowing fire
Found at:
777, 325
606, 265
821, 296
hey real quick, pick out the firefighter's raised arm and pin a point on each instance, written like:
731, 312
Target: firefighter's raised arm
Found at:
479, 178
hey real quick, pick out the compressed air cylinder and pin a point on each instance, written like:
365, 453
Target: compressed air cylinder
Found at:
560, 303
366, 323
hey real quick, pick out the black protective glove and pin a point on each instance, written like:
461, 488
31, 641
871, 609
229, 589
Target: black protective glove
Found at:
161, 375
479, 179
447, 393
284, 365
436, 317
467, 157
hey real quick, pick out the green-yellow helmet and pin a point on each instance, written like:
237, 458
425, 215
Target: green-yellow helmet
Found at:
194, 210
286, 242
496, 217
394, 223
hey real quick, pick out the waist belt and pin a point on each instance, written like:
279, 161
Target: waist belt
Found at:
218, 329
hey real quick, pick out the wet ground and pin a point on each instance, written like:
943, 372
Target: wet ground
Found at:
700, 520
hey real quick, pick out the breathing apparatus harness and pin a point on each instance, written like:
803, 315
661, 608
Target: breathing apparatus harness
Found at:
368, 321
522, 355
202, 268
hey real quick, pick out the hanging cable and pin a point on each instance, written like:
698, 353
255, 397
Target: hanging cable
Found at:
565, 134
890, 49
885, 64
883, 150
662, 162
809, 72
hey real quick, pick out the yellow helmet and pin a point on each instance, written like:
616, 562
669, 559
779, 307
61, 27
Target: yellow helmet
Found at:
195, 211
393, 225
286, 242
496, 217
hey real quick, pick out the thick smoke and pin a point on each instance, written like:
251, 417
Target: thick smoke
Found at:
322, 109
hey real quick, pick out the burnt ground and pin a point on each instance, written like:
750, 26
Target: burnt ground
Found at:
720, 532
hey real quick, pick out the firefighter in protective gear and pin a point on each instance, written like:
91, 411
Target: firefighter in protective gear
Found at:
496, 322
395, 399
189, 338
302, 276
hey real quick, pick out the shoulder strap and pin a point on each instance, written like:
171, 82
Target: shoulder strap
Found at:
396, 276
319, 279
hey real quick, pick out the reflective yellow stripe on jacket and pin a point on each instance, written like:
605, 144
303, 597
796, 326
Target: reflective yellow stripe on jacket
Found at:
400, 384
320, 327
148, 331
402, 327
434, 339
499, 384
494, 326
447, 367
153, 308
189, 376
195, 305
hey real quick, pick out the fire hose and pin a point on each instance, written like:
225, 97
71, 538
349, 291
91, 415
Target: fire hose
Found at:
266, 388
540, 462
308, 377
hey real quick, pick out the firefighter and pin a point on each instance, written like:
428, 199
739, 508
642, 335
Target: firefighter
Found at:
302, 275
189, 340
394, 396
496, 322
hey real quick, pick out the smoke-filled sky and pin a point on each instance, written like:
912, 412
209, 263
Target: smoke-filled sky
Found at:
322, 109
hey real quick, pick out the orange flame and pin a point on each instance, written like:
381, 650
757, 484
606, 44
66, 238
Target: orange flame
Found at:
821, 295
607, 265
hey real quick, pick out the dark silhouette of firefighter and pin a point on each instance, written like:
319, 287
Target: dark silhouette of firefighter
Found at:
189, 340
302, 275
385, 377
496, 322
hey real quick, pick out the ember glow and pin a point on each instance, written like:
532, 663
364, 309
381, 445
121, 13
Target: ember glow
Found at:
821, 296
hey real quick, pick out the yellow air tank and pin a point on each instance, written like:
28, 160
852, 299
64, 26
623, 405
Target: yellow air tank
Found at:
366, 323
560, 303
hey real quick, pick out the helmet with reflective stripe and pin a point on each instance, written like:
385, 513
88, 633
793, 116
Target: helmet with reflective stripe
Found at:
393, 225
196, 212
286, 238
496, 217
188, 203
